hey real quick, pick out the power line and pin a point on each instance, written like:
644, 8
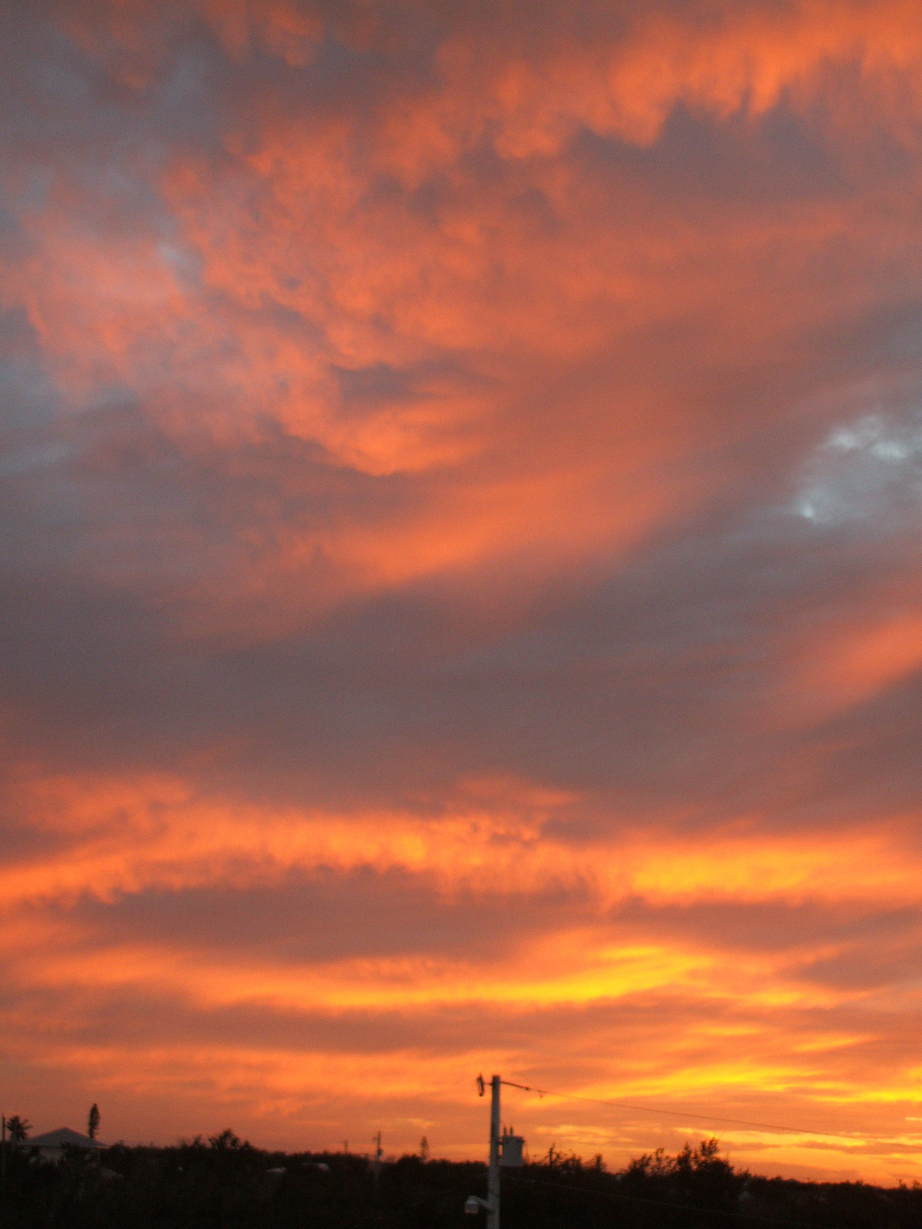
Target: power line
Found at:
659, 1109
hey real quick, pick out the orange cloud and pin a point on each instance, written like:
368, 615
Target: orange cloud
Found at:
403, 421
862, 662
313, 265
133, 834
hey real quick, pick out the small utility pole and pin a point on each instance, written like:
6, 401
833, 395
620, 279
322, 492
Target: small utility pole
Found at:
376, 1165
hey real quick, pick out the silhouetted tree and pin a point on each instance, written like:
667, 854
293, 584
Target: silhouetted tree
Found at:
234, 1184
92, 1123
227, 1141
18, 1128
696, 1177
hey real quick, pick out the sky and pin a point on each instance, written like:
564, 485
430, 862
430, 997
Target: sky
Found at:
460, 574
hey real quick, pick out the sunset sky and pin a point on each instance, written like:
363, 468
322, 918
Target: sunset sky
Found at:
461, 560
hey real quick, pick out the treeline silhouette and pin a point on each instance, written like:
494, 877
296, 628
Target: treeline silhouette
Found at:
225, 1183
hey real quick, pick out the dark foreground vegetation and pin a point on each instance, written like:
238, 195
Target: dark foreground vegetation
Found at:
226, 1184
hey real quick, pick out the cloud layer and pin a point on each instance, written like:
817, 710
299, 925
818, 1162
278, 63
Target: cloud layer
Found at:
461, 469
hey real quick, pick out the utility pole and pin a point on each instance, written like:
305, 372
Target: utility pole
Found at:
493, 1171
505, 1149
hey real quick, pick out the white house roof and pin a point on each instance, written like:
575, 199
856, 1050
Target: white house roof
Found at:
62, 1136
